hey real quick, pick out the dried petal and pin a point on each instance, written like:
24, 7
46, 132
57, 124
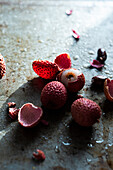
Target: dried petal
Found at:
96, 64
75, 34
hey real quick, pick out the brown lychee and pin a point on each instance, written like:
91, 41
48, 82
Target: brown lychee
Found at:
85, 112
72, 78
108, 89
54, 95
29, 115
2, 67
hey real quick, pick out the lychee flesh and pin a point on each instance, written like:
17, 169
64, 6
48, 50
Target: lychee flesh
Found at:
72, 78
54, 95
2, 67
29, 115
85, 112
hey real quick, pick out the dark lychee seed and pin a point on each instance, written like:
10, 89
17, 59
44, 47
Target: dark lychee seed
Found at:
54, 95
85, 112
101, 55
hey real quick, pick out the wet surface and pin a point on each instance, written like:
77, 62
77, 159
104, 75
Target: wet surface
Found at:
33, 30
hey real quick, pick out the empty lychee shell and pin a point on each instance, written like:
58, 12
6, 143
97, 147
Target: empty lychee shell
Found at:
54, 95
108, 89
63, 61
29, 115
72, 78
85, 112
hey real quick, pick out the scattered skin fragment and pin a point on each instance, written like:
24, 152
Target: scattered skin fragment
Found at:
96, 64
13, 112
39, 155
69, 12
75, 34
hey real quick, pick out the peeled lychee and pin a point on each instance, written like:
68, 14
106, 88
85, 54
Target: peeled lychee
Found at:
2, 67
108, 89
72, 78
54, 95
85, 112
29, 115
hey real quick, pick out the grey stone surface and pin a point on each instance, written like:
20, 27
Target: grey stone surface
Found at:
31, 30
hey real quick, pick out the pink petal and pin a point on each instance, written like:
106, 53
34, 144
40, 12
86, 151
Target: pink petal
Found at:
69, 12
75, 34
96, 64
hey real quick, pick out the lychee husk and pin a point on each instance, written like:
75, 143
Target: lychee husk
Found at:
2, 67
106, 89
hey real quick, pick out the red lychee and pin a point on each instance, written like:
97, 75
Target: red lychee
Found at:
72, 78
85, 112
2, 67
54, 95
29, 115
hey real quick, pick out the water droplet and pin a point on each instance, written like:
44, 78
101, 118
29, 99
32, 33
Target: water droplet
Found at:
66, 143
88, 160
107, 72
91, 52
57, 149
86, 65
76, 57
100, 141
90, 145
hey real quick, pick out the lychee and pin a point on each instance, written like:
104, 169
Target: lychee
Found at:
72, 78
85, 112
108, 89
54, 95
2, 67
29, 115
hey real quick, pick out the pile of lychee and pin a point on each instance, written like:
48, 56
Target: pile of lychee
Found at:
66, 80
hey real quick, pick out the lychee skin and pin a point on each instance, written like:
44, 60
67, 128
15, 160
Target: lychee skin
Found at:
85, 112
108, 89
54, 95
72, 78
2, 67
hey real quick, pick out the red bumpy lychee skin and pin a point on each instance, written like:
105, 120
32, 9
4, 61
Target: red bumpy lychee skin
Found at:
85, 112
54, 95
45, 69
2, 67
72, 78
63, 61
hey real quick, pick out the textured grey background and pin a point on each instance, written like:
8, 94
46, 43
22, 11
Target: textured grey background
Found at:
33, 30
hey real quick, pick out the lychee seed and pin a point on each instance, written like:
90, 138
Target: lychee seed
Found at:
85, 112
54, 95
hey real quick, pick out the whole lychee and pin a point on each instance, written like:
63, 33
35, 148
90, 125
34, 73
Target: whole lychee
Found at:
85, 112
72, 78
54, 95
2, 67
